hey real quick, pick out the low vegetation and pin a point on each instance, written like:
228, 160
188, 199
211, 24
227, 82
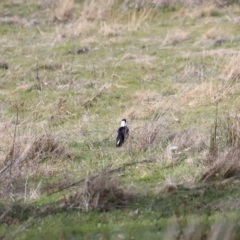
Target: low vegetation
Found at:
70, 71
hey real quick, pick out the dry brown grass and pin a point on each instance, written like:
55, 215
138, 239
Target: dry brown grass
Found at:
225, 132
64, 9
96, 10
134, 113
162, 3
190, 140
170, 185
94, 13
186, 142
138, 19
225, 165
200, 94
102, 192
152, 103
231, 69
111, 29
46, 146
195, 9
23, 160
176, 37
148, 136
213, 33
147, 100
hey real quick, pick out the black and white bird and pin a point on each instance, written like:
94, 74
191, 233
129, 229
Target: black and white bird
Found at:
122, 133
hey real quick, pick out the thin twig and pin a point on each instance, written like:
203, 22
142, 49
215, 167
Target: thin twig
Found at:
11, 154
118, 169
88, 102
37, 77
71, 70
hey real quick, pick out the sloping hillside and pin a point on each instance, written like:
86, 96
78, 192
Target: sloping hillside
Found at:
70, 71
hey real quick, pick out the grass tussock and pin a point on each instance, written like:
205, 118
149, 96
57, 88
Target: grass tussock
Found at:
24, 159
225, 165
47, 146
176, 37
102, 192
95, 10
64, 9
169, 186
225, 132
190, 140
185, 143
231, 70
197, 95
149, 136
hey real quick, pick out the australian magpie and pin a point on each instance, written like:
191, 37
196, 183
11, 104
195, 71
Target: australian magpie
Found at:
122, 133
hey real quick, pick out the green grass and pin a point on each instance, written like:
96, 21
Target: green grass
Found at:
166, 70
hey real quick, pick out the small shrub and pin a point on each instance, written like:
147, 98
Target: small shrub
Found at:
102, 192
24, 158
225, 165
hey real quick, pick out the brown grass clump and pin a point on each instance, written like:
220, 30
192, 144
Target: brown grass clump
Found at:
184, 142
197, 95
149, 135
225, 133
81, 27
169, 186
164, 3
231, 69
111, 29
190, 139
24, 158
102, 192
176, 37
213, 33
96, 10
64, 10
226, 165
46, 146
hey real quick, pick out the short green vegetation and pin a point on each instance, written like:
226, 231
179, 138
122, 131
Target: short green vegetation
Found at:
70, 71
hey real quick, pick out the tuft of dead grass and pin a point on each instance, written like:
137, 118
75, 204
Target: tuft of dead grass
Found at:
102, 192
149, 135
169, 186
225, 132
182, 143
190, 140
111, 29
176, 37
200, 94
96, 10
225, 165
214, 33
231, 69
64, 9
24, 158
46, 146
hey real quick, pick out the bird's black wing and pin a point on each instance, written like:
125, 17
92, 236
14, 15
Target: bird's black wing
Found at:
126, 132
120, 137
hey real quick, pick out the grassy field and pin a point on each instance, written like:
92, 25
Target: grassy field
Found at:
70, 71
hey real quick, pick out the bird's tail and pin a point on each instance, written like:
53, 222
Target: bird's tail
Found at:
119, 140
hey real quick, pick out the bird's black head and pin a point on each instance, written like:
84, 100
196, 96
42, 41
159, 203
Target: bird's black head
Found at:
124, 120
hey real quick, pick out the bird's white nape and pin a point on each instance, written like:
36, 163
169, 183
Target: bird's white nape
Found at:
123, 124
